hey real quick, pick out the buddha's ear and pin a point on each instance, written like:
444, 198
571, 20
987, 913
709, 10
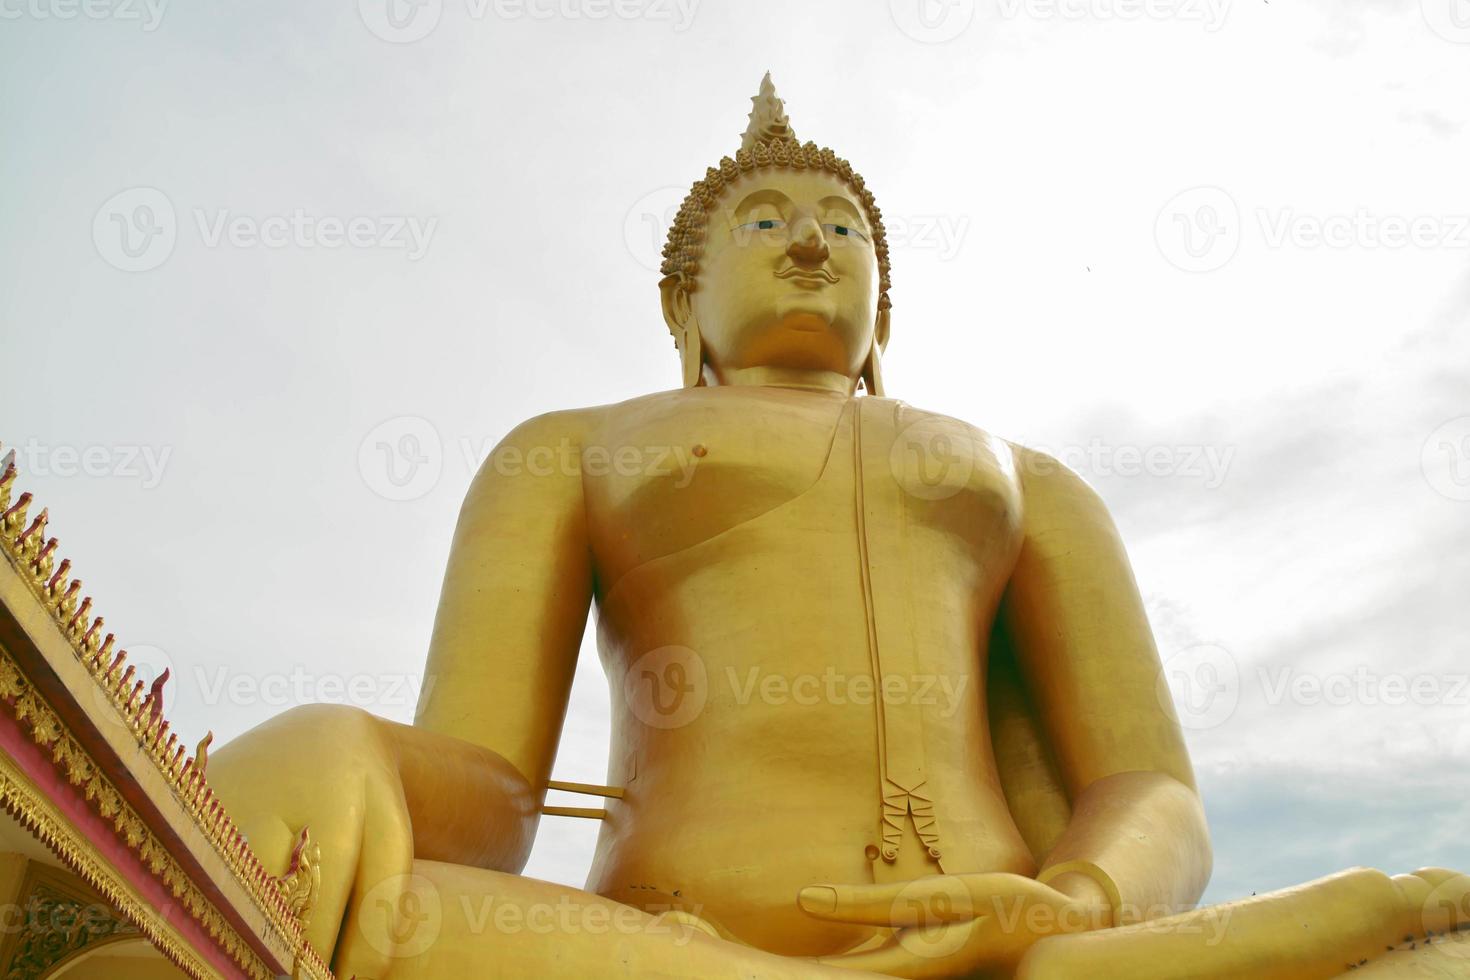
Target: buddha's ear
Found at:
679, 318
675, 300
873, 367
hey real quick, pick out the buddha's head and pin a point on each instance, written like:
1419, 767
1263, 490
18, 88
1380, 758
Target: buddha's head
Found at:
777, 261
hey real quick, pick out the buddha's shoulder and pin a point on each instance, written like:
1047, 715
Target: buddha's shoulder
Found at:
1036, 471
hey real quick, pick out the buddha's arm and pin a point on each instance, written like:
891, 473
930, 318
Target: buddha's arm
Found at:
1083, 642
476, 761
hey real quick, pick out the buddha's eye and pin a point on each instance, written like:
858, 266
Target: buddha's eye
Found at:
764, 224
844, 231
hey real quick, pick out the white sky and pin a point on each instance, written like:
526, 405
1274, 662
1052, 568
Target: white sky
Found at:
1045, 162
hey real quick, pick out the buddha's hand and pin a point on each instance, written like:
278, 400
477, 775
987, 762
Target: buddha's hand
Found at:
332, 769
955, 925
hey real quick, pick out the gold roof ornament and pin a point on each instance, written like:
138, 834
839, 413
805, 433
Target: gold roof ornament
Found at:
769, 141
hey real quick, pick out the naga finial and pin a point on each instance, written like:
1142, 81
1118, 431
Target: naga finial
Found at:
768, 119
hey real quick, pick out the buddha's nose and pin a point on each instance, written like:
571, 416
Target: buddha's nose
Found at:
808, 244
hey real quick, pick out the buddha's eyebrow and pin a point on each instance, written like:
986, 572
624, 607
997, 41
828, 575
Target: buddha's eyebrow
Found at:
843, 204
763, 196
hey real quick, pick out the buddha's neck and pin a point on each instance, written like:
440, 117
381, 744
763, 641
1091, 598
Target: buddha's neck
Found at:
781, 377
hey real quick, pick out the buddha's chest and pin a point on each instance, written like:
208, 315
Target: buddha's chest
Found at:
804, 471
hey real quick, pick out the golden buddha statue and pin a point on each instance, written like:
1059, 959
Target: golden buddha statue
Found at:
963, 768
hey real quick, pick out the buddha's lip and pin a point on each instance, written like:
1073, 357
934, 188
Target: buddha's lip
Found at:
796, 273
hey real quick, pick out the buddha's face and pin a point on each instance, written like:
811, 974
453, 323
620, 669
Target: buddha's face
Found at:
789, 277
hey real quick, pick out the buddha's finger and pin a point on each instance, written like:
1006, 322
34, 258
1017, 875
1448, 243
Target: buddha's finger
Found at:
921, 902
391, 913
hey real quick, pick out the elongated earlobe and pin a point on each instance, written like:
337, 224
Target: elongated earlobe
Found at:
873, 371
679, 318
691, 354
873, 366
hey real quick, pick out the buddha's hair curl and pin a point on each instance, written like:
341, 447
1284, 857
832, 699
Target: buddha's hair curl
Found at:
685, 245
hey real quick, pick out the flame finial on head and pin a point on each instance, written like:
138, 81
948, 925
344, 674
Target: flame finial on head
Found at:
768, 120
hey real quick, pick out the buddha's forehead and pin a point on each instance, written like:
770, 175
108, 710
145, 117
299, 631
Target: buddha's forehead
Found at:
814, 189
